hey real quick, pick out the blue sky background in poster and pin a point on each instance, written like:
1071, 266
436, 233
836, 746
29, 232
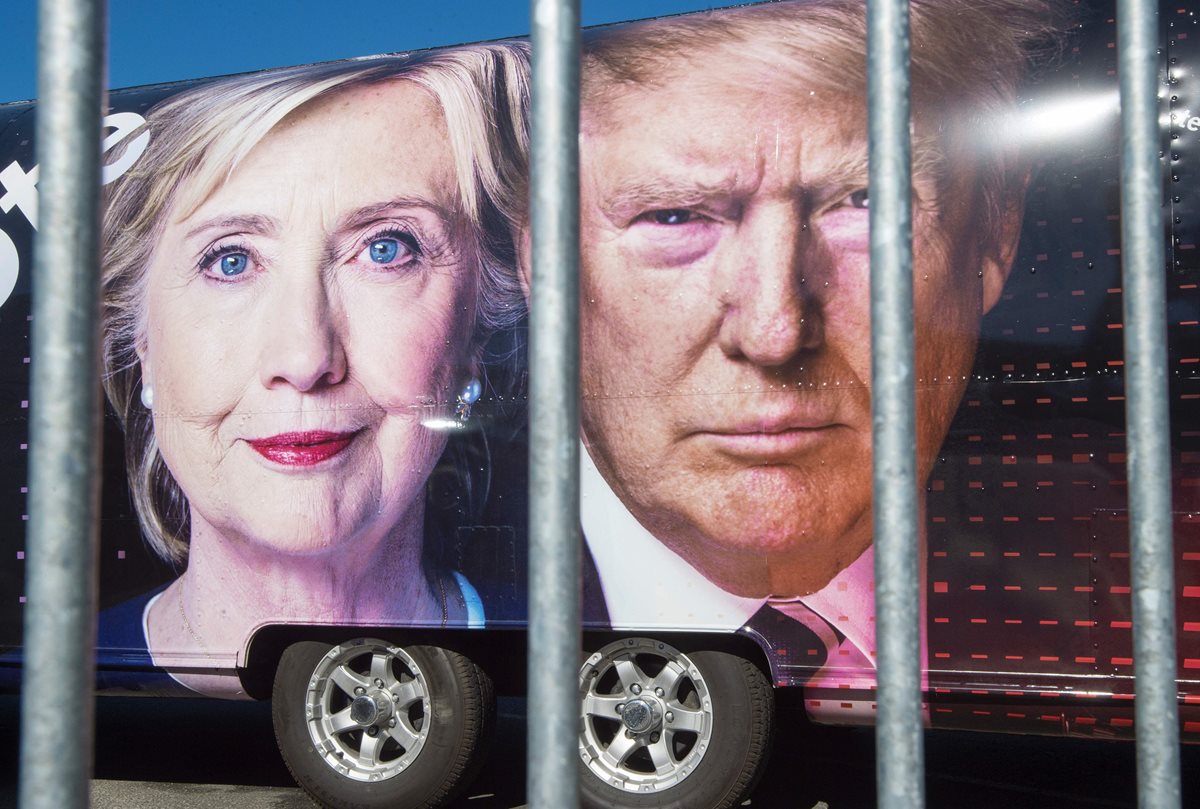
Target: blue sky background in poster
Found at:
152, 41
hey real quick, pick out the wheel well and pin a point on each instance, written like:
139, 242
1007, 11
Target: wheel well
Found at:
500, 652
733, 643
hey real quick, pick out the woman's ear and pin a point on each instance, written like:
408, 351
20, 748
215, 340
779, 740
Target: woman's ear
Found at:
141, 344
524, 245
142, 349
146, 387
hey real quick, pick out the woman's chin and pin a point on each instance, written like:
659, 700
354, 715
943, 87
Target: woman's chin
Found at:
298, 527
291, 542
298, 547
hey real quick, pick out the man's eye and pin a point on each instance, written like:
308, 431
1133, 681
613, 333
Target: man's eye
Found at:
672, 216
859, 199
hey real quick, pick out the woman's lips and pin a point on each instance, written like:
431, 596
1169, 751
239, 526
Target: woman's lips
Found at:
302, 449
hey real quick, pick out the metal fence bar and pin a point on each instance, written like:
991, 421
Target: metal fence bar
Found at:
552, 747
64, 461
900, 767
1143, 256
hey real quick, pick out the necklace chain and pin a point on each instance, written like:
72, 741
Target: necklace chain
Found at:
196, 637
186, 623
445, 608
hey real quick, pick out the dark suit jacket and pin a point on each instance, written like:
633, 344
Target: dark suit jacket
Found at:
593, 607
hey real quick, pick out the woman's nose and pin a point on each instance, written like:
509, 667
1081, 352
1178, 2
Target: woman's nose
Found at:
771, 314
304, 348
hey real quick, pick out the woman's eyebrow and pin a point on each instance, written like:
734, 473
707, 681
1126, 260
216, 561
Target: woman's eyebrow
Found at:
242, 223
379, 210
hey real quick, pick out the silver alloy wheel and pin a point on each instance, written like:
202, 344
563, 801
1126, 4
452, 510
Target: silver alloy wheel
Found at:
367, 709
646, 715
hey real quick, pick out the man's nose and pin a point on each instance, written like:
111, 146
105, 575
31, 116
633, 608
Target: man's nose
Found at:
303, 346
771, 313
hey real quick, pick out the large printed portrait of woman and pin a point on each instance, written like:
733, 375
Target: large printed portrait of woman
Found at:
311, 317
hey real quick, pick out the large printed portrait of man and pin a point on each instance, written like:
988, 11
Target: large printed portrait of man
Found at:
725, 330
725, 338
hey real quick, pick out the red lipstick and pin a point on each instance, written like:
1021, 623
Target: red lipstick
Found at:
301, 449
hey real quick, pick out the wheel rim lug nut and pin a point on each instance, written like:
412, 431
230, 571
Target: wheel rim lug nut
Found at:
670, 717
360, 691
378, 683
659, 691
637, 689
654, 737
621, 708
372, 731
392, 722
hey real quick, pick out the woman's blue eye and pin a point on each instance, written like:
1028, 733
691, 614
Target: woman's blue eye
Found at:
233, 264
384, 251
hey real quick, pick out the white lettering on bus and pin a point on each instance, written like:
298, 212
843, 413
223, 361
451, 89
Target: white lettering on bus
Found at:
20, 188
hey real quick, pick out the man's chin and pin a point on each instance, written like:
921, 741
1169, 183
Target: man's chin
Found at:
783, 569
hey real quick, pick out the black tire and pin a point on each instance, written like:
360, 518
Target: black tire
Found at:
414, 741
705, 749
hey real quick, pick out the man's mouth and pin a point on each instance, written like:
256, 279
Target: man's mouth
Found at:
770, 440
307, 448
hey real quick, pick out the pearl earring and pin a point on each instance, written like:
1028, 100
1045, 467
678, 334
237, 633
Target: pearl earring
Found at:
468, 396
147, 396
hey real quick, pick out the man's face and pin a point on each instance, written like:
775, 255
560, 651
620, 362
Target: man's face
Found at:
725, 320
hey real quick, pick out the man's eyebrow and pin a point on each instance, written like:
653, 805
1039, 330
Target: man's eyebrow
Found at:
846, 171
850, 169
928, 157
243, 223
642, 194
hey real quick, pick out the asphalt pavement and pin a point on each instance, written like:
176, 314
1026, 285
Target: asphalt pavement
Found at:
198, 754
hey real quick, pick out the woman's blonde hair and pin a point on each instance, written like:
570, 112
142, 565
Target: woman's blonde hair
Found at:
197, 138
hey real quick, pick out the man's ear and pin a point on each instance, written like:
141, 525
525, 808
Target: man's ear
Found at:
524, 244
998, 260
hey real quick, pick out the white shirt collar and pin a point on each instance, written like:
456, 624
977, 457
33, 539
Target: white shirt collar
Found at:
648, 586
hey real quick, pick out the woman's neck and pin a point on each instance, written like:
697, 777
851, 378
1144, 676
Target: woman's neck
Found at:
233, 585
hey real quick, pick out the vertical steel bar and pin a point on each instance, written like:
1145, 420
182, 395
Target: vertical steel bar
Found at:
1143, 255
64, 461
900, 759
554, 409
